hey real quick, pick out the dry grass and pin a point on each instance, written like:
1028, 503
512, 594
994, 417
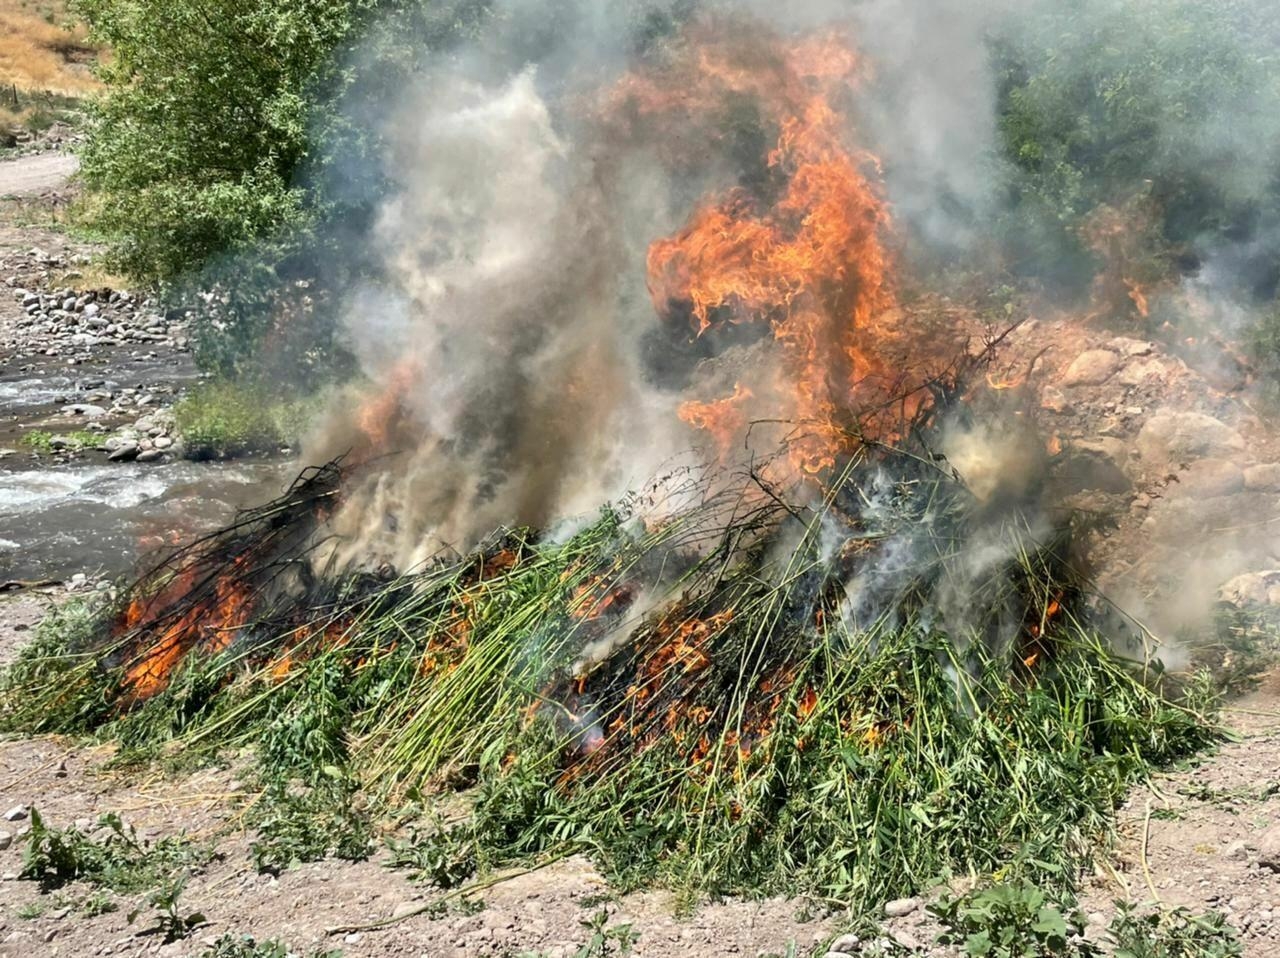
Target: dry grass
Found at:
41, 51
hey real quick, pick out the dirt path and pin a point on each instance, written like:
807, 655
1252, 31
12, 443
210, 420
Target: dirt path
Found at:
29, 175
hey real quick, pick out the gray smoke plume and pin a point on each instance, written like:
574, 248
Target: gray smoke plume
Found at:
517, 372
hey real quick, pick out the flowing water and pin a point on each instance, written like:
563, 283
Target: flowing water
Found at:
55, 522
97, 517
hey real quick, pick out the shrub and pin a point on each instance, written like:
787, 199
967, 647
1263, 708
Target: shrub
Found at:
1104, 100
222, 418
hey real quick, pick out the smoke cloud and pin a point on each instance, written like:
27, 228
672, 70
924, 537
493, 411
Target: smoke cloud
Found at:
545, 336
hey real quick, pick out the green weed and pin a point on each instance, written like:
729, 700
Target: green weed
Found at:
1014, 920
446, 857
119, 860
1172, 934
307, 823
605, 940
45, 442
245, 946
171, 923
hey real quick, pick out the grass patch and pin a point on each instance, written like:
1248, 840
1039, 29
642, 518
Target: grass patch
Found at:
224, 419
41, 48
45, 442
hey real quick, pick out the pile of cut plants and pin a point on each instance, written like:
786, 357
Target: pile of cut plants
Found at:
718, 685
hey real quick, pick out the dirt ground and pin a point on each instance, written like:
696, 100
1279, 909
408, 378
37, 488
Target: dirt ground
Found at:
30, 175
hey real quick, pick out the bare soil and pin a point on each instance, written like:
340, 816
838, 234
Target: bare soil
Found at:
41, 173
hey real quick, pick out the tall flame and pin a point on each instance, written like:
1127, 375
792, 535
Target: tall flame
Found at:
803, 254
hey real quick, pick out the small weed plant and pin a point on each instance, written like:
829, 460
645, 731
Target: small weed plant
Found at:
117, 860
605, 940
299, 824
1015, 920
1172, 934
245, 946
445, 857
171, 923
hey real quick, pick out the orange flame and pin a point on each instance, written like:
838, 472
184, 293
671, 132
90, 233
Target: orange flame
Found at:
809, 263
210, 625
723, 418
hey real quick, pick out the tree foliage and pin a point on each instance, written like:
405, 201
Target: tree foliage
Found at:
195, 149
1101, 101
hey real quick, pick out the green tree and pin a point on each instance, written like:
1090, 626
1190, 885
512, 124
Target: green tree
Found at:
195, 147
1105, 100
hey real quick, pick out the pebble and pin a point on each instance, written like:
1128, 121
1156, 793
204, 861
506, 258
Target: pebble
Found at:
16, 814
6, 839
405, 909
901, 907
1268, 845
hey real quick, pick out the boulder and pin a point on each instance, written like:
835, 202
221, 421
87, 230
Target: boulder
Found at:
1252, 589
1173, 437
1209, 478
1091, 368
1263, 478
1143, 370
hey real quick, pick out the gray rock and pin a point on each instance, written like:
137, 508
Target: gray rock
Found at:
125, 452
91, 309
1208, 478
1253, 588
901, 907
69, 303
1236, 852
1143, 370
87, 410
1091, 368
151, 455
1268, 844
16, 814
163, 442
846, 943
1131, 347
6, 840
1171, 437
1263, 478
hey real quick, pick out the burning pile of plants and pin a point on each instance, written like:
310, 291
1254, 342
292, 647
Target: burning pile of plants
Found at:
748, 693
850, 649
